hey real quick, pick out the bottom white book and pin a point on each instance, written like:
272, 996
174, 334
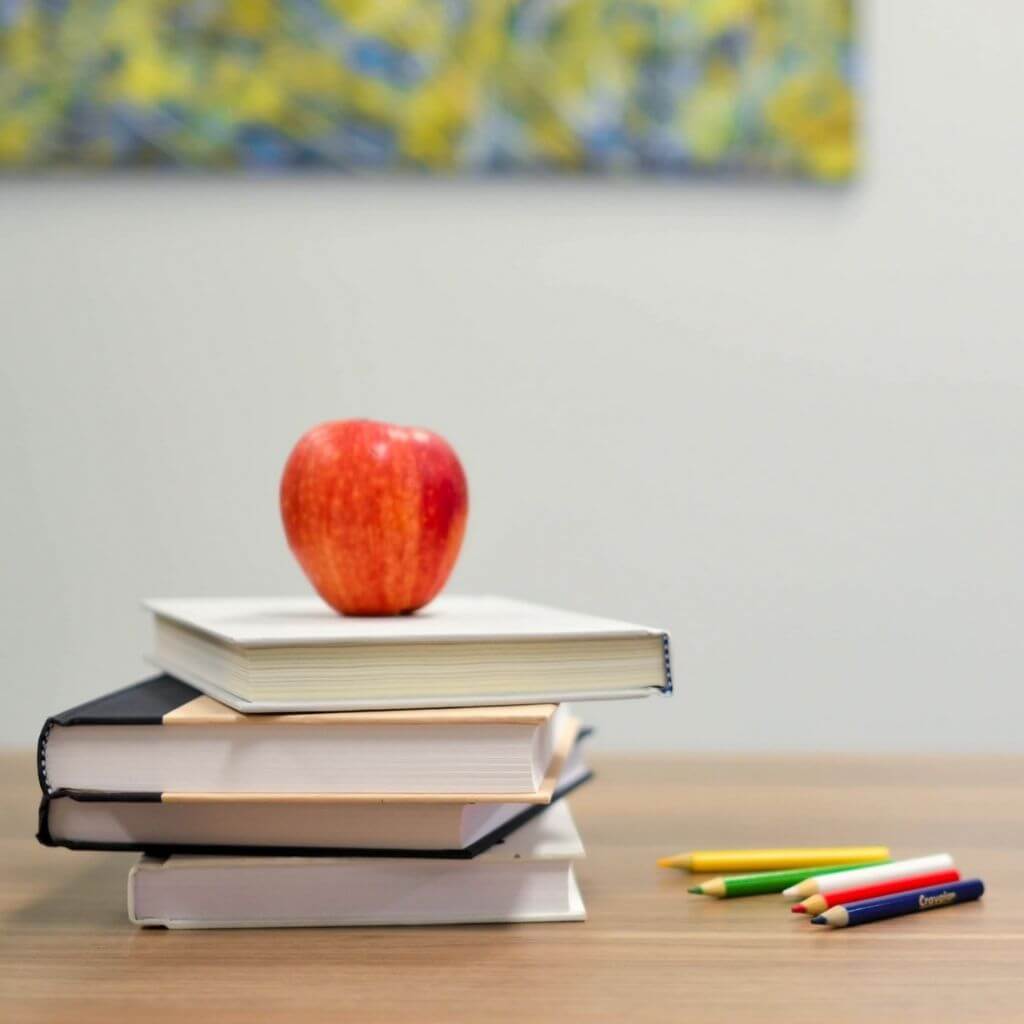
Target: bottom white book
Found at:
528, 877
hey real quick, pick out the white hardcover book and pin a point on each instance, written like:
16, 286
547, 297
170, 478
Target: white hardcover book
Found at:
529, 877
297, 654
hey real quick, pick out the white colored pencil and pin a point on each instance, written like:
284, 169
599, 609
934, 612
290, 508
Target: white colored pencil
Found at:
868, 875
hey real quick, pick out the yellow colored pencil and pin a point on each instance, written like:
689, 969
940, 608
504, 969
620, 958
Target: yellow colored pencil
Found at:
773, 860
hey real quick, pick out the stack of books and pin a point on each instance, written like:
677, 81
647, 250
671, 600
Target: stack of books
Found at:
295, 767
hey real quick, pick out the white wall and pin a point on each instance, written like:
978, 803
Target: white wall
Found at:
784, 422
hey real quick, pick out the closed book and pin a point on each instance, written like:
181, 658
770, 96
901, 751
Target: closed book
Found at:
89, 820
161, 736
529, 877
297, 654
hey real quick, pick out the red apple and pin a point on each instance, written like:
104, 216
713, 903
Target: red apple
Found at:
374, 513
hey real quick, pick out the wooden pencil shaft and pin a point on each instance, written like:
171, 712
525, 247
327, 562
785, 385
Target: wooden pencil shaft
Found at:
774, 859
821, 902
914, 901
771, 881
870, 875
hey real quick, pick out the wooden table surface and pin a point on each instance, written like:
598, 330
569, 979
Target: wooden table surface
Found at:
648, 952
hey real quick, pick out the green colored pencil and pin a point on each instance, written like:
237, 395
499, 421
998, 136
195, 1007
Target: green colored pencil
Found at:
767, 881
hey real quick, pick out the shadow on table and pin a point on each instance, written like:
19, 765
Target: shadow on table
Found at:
94, 896
87, 904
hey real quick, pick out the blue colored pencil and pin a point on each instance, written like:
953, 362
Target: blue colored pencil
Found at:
912, 902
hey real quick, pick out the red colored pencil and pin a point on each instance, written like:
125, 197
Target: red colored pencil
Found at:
821, 902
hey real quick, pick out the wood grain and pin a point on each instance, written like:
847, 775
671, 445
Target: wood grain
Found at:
649, 951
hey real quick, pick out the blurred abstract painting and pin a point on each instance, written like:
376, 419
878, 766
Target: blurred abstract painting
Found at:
453, 86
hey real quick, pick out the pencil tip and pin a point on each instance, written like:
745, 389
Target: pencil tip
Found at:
698, 889
820, 919
798, 909
677, 860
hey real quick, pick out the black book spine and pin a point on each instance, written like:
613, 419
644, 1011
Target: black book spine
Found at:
44, 737
45, 836
143, 703
43, 831
667, 655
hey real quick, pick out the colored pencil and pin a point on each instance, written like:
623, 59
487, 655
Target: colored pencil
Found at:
817, 904
766, 881
773, 860
869, 875
913, 902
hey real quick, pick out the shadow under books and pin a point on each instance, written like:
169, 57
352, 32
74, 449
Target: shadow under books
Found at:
94, 896
93, 899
